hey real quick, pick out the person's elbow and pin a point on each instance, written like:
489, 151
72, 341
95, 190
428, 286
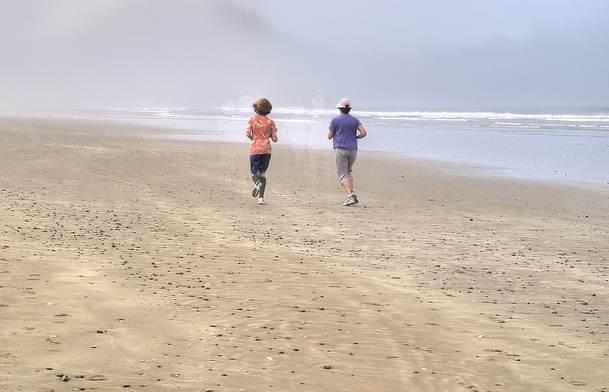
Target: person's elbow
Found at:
362, 132
330, 135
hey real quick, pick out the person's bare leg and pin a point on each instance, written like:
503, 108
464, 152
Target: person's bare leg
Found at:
347, 186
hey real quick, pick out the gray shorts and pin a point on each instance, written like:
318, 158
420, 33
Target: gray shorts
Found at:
344, 163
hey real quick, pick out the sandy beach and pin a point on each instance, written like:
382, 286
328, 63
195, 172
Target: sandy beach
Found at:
130, 261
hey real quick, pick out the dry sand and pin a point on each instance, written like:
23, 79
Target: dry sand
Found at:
132, 262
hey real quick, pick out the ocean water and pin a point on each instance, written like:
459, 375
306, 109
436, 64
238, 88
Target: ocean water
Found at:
550, 145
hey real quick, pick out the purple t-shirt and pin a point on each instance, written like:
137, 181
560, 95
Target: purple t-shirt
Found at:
344, 127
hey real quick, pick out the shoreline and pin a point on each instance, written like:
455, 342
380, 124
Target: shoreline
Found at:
139, 261
535, 153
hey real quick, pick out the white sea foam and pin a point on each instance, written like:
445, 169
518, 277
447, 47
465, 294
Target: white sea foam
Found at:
401, 119
510, 140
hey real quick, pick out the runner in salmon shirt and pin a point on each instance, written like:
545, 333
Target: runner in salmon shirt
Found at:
260, 130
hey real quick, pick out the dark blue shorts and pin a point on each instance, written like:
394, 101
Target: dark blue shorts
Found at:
259, 163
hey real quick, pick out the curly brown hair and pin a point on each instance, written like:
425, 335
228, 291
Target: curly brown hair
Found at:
262, 106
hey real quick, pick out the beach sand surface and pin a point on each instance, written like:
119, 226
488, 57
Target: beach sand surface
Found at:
131, 261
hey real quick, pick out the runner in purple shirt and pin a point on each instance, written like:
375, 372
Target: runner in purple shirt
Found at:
344, 134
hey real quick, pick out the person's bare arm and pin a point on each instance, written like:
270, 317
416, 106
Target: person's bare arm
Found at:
362, 132
274, 135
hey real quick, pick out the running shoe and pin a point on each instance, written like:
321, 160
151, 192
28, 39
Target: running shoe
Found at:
256, 189
350, 201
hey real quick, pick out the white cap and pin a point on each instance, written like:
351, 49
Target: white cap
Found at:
344, 103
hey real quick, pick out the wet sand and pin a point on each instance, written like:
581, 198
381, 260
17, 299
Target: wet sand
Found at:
129, 261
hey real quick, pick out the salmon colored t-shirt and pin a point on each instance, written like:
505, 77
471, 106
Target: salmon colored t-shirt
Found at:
261, 130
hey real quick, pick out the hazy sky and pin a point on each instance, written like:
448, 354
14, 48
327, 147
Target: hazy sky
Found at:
410, 54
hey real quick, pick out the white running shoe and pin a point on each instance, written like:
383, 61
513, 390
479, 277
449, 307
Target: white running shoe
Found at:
261, 201
351, 200
256, 189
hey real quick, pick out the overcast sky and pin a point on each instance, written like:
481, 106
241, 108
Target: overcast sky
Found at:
408, 54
